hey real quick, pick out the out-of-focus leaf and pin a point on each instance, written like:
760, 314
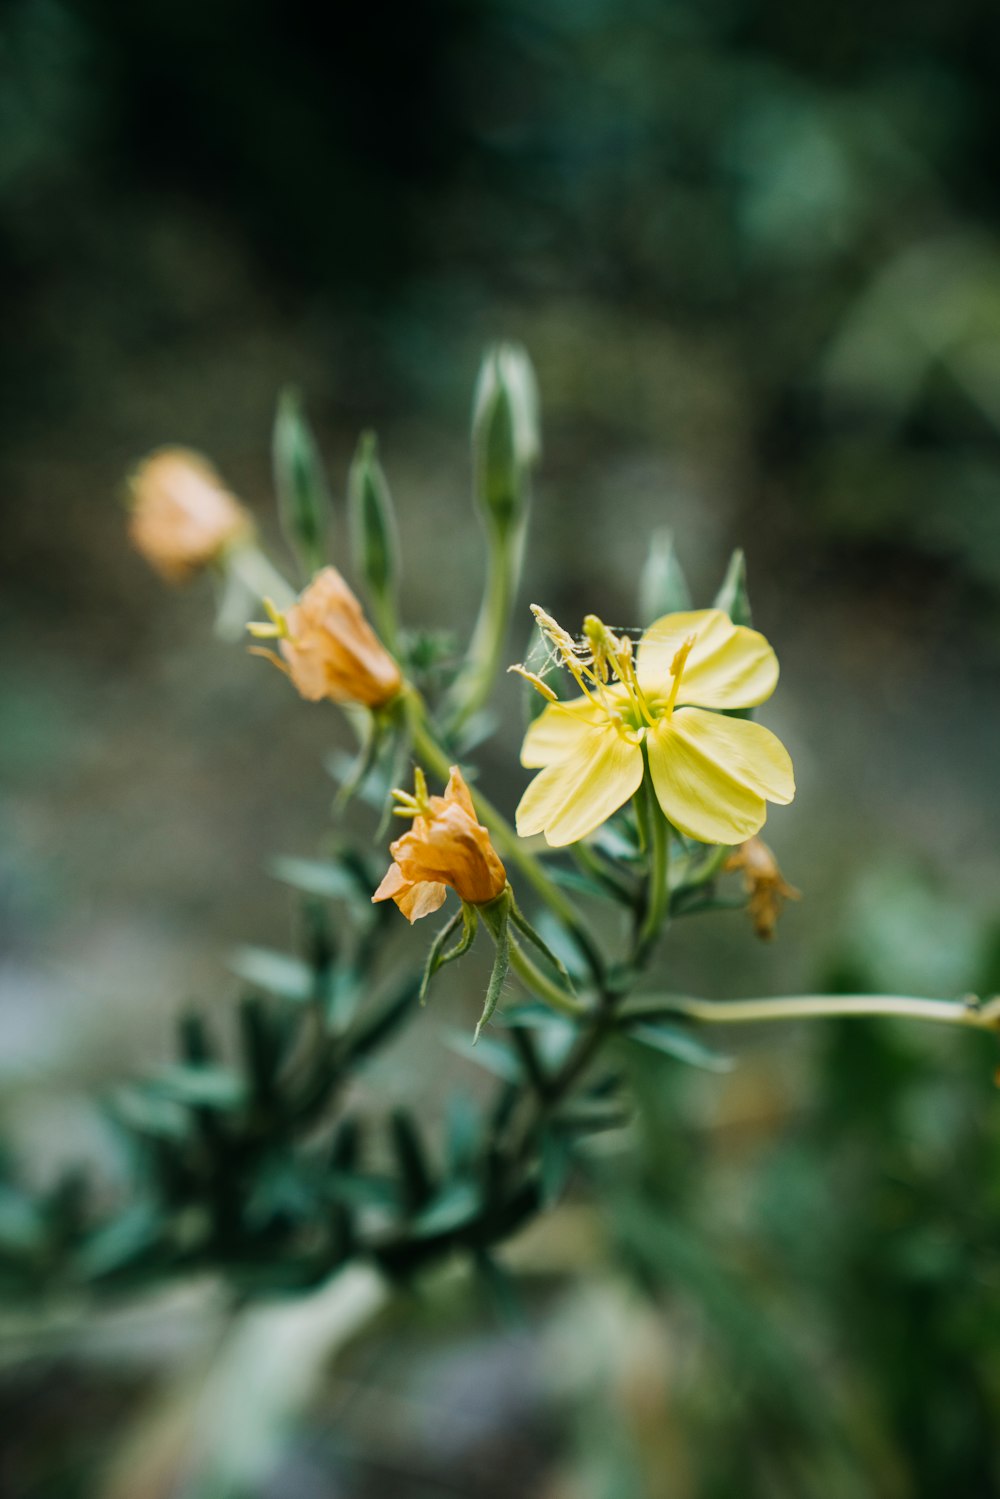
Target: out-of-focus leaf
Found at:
589, 1116
462, 1130
416, 1178
455, 1206
22, 1228
323, 877
663, 587
120, 1241
147, 1113
556, 1161
362, 1189
679, 1044
303, 494
277, 972
733, 596
208, 1087
487, 1053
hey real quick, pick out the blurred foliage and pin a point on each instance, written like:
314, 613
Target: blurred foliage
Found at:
823, 1251
815, 193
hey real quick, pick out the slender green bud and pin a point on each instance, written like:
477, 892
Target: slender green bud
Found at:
733, 596
303, 493
663, 587
374, 544
505, 434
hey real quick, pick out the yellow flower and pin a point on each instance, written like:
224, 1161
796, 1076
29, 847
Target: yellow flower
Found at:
329, 648
447, 845
182, 516
712, 775
764, 883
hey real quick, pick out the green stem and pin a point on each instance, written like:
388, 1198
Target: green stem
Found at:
475, 682
970, 1013
546, 988
434, 758
658, 883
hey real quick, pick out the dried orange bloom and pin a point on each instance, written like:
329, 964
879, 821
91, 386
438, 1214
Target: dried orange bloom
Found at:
183, 517
764, 883
329, 648
447, 845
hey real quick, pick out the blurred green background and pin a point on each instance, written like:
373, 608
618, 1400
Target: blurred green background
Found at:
753, 250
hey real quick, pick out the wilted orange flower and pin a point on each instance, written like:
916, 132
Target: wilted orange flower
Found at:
764, 883
329, 648
183, 517
447, 845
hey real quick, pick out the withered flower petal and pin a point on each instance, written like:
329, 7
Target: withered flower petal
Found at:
764, 883
446, 846
330, 649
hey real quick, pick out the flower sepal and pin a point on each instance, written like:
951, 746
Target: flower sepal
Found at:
440, 954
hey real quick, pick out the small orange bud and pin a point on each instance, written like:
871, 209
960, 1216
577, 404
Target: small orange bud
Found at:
183, 517
329, 648
764, 883
447, 845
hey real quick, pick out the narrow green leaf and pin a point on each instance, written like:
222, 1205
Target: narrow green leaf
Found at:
209, 1087
374, 541
416, 1178
124, 1239
733, 596
556, 1160
323, 877
300, 481
680, 1044
278, 972
455, 1206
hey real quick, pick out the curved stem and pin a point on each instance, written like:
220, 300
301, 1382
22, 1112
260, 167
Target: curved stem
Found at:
540, 983
970, 1013
475, 681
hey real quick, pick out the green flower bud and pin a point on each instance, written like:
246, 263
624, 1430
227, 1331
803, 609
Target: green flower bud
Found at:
505, 433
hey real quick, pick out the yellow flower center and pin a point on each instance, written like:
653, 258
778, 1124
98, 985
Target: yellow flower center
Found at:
598, 658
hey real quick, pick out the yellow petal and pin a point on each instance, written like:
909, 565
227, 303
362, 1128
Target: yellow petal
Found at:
713, 776
572, 797
729, 665
555, 733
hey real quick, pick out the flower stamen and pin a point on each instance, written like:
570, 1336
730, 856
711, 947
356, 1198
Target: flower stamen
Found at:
276, 630
415, 803
677, 666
